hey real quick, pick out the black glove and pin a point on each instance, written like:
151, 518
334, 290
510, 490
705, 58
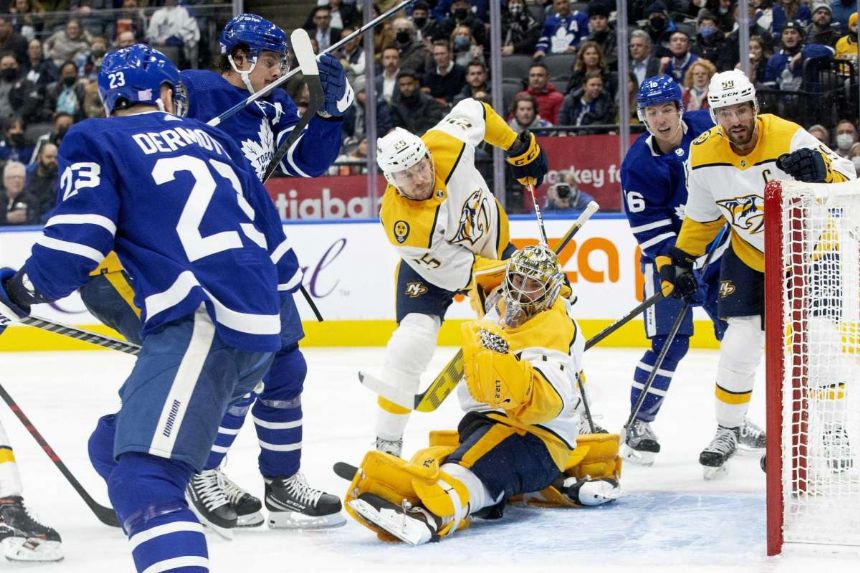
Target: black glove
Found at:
676, 270
804, 165
11, 306
527, 159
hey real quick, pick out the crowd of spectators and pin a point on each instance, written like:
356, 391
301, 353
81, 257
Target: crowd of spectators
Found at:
559, 63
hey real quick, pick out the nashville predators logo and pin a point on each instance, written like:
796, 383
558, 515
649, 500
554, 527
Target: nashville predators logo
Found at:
702, 138
745, 212
416, 289
474, 220
401, 231
727, 288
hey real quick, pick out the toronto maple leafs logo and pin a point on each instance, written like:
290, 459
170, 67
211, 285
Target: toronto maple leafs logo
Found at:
681, 211
474, 220
260, 152
745, 212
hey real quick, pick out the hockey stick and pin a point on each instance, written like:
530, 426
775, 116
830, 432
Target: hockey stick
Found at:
104, 514
452, 373
304, 52
76, 333
640, 308
538, 214
216, 121
676, 326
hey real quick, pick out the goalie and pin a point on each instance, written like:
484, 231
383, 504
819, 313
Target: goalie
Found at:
519, 434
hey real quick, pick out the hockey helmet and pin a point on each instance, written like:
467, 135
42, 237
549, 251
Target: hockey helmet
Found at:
730, 88
533, 279
657, 90
397, 151
254, 33
134, 75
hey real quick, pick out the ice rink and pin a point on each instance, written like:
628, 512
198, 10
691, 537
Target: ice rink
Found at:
669, 520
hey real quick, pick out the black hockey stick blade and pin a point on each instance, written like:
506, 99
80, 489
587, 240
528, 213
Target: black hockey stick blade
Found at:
104, 514
344, 470
304, 51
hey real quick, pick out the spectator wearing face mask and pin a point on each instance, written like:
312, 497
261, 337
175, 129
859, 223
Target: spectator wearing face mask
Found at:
42, 180
465, 48
461, 15
414, 56
13, 146
421, 20
66, 95
18, 95
520, 31
846, 137
659, 28
710, 41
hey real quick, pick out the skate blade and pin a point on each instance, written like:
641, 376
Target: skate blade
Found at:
638, 457
255, 519
295, 520
33, 550
224, 532
712, 473
392, 522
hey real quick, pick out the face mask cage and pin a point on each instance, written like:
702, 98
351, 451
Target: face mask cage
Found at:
532, 281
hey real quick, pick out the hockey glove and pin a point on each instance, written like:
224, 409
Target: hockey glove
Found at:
805, 165
494, 376
10, 307
676, 275
338, 93
527, 159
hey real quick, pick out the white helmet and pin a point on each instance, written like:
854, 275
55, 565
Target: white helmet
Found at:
397, 151
730, 88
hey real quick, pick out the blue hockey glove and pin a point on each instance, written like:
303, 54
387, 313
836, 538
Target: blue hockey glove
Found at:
527, 160
805, 165
10, 308
338, 93
676, 275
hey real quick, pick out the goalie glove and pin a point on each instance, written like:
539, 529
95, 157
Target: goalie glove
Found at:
487, 275
493, 375
676, 275
527, 160
807, 165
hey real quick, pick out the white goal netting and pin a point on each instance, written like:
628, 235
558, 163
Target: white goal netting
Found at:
821, 361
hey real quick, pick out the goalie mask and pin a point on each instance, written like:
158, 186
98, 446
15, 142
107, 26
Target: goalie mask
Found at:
533, 279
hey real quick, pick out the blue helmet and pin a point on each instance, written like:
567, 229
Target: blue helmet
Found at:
135, 75
255, 33
658, 90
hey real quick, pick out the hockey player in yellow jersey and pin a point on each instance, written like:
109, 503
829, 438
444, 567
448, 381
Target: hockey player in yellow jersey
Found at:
520, 431
448, 229
727, 171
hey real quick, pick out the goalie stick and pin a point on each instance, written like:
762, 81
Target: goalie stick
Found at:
104, 514
450, 376
216, 121
76, 333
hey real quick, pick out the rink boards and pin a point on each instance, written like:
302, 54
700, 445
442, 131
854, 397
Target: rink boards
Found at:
349, 271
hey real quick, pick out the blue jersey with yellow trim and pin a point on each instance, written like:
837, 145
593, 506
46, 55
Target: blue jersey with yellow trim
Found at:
260, 124
655, 189
185, 219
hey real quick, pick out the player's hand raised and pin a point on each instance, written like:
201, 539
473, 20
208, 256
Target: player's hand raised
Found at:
527, 159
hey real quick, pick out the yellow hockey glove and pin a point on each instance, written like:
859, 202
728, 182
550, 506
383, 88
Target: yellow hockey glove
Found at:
487, 274
528, 161
494, 376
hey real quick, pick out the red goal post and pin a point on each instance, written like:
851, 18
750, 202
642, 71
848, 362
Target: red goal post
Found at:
812, 320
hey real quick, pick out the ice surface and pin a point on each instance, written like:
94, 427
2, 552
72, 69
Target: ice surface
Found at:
669, 520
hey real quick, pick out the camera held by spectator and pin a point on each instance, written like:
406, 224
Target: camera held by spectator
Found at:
566, 196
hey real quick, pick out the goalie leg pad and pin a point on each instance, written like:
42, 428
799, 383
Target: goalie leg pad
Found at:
596, 456
416, 483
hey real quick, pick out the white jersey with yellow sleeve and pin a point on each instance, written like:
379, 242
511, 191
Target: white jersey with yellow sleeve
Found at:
440, 236
553, 343
726, 187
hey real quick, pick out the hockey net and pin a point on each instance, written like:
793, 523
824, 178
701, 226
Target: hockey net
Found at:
812, 301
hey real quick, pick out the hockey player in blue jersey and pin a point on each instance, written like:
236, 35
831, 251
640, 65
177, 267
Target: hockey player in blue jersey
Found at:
190, 224
654, 187
254, 51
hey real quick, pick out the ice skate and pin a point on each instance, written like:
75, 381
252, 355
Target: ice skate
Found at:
411, 524
640, 444
751, 437
717, 453
23, 538
246, 506
293, 504
209, 502
837, 449
393, 447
